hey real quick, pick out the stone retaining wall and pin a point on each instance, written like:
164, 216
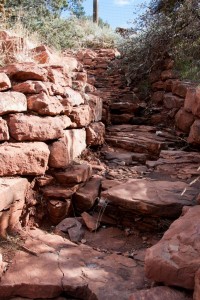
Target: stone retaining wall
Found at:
49, 114
179, 102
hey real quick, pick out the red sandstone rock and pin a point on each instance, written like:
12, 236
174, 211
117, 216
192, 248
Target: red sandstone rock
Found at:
91, 223
174, 260
73, 227
196, 105
180, 88
30, 87
194, 136
95, 134
45, 105
67, 148
73, 97
23, 158
158, 293
107, 184
11, 190
58, 75
159, 198
168, 74
184, 120
81, 115
196, 295
85, 197
5, 83
25, 71
12, 102
4, 133
42, 54
170, 101
78, 85
58, 210
159, 85
154, 76
169, 84
190, 99
121, 119
95, 104
56, 192
124, 107
74, 174
35, 128
157, 97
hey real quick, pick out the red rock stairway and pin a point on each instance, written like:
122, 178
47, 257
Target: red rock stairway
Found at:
108, 263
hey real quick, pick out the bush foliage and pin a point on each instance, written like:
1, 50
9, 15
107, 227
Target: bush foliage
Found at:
166, 28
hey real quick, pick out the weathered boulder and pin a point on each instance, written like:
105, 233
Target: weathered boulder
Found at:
95, 134
11, 190
73, 97
12, 102
175, 259
59, 75
158, 198
45, 105
30, 87
196, 106
157, 97
4, 133
25, 71
81, 115
170, 101
180, 88
74, 174
190, 99
23, 158
85, 197
96, 105
158, 293
63, 151
5, 83
35, 128
184, 120
194, 136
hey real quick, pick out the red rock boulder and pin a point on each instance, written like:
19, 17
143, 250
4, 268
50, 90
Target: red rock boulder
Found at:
23, 158
95, 134
12, 102
35, 128
175, 259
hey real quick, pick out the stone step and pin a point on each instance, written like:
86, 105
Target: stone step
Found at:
77, 270
180, 164
139, 138
155, 198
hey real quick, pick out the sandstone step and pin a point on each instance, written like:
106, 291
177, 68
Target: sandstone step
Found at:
62, 266
74, 174
139, 138
174, 260
180, 164
158, 198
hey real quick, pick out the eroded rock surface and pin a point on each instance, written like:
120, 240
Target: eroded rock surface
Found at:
174, 260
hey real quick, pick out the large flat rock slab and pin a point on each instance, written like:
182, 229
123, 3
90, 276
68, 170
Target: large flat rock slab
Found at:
175, 259
139, 138
12, 189
159, 198
23, 158
78, 270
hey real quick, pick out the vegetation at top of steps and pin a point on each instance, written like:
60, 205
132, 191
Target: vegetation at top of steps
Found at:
165, 28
